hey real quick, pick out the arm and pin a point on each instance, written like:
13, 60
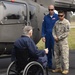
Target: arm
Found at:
34, 50
54, 34
43, 30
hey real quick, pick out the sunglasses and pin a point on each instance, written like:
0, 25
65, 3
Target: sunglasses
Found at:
60, 15
50, 9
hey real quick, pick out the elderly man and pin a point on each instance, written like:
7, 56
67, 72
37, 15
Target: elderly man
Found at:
26, 42
47, 26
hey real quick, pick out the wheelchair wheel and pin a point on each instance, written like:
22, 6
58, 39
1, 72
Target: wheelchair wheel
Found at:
33, 68
12, 69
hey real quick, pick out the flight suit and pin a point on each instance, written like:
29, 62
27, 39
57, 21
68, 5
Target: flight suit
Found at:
47, 27
61, 30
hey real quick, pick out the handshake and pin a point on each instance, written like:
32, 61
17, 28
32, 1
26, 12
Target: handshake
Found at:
46, 50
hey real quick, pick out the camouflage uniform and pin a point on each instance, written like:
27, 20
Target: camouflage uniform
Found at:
61, 30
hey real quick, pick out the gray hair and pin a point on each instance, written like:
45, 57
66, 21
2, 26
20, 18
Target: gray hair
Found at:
27, 29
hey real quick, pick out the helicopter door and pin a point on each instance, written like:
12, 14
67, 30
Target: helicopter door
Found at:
12, 20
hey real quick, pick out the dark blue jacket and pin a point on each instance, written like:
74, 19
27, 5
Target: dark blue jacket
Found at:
26, 42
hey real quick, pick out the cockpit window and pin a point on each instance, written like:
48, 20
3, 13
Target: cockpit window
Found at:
12, 12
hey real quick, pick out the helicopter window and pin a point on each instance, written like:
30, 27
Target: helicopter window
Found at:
12, 12
13, 16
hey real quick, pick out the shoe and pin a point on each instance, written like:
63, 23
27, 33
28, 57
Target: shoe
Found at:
65, 72
57, 70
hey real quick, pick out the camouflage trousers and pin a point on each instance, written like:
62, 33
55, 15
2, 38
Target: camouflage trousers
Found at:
61, 52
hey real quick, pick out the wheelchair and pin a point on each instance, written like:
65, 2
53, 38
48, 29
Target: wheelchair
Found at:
27, 67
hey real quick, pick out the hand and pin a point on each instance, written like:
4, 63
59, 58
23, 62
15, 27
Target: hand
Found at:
46, 50
56, 38
43, 39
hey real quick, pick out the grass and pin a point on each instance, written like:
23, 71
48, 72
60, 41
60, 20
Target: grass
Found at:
71, 40
41, 45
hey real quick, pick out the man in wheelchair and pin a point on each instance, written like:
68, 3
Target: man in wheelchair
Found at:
25, 50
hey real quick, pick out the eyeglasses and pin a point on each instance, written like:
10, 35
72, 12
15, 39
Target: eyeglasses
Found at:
50, 9
60, 15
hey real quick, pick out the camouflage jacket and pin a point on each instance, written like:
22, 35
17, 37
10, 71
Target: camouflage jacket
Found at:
61, 29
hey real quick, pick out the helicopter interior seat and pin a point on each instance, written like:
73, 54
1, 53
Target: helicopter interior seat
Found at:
24, 65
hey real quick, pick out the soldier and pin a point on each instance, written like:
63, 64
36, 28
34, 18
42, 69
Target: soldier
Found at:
60, 34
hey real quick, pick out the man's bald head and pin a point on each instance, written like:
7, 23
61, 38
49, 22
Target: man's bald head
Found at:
51, 9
